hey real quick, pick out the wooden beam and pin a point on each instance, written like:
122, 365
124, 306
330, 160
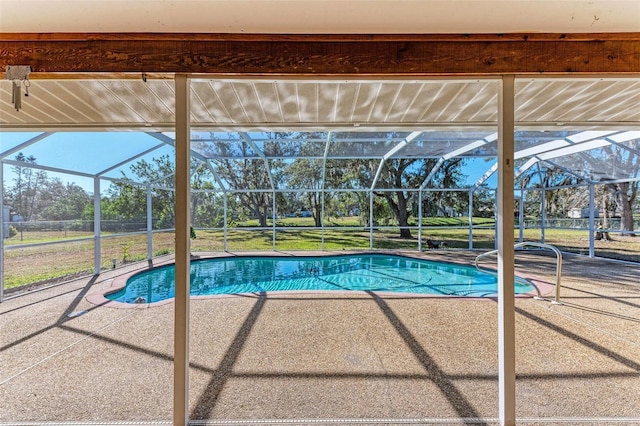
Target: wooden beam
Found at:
317, 55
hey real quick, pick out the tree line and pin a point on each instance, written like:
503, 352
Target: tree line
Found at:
250, 185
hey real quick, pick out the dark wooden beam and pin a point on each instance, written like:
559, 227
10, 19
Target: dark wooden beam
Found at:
318, 55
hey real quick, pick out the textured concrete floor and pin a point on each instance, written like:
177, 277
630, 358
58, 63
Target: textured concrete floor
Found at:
328, 355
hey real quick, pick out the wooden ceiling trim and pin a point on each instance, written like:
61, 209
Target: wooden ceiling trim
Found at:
628, 36
324, 55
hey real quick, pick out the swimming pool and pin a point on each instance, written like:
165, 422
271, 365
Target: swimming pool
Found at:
352, 272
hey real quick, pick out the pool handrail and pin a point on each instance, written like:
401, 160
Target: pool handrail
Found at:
539, 245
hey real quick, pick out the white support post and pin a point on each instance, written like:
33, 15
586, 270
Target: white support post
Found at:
543, 213
323, 179
496, 224
322, 219
97, 238
370, 220
420, 220
521, 216
149, 224
1, 231
471, 219
273, 219
506, 274
224, 226
182, 248
592, 215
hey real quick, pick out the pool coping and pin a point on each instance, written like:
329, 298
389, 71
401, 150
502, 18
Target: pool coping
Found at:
99, 298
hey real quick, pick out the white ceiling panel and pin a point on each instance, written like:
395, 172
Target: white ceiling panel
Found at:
342, 102
587, 100
135, 104
90, 103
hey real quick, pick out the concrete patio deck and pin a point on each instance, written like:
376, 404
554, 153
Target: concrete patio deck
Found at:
365, 357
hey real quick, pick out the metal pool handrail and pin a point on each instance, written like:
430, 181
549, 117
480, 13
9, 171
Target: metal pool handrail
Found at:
540, 245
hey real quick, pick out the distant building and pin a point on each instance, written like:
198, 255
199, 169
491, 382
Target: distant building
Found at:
582, 213
449, 212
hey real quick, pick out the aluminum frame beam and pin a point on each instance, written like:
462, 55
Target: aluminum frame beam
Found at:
128, 160
167, 140
469, 147
25, 144
540, 152
390, 153
245, 137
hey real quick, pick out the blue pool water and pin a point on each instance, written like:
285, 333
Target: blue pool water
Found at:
363, 272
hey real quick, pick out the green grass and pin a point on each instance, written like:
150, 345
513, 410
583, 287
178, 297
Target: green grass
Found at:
335, 239
354, 221
302, 222
454, 221
47, 263
46, 237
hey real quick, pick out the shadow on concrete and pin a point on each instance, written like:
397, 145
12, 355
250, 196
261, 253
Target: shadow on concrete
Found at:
585, 342
208, 399
457, 400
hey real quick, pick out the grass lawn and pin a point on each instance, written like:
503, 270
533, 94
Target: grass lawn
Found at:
354, 221
61, 261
